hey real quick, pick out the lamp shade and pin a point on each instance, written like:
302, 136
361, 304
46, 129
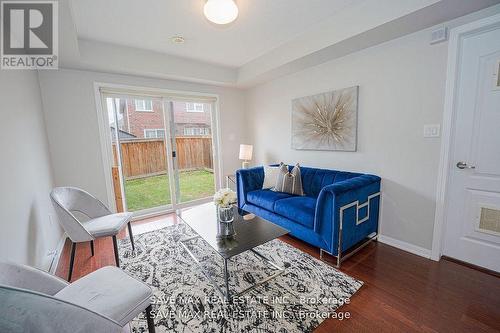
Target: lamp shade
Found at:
246, 152
220, 11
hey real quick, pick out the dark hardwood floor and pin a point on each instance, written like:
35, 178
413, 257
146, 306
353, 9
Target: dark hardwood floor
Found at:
402, 292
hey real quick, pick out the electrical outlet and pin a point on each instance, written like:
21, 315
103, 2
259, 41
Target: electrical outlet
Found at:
432, 131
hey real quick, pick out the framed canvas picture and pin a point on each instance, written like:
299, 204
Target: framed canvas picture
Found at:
326, 121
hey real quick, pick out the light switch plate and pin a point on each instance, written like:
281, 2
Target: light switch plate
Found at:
432, 130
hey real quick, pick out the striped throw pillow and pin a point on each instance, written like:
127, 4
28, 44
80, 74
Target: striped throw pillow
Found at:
289, 182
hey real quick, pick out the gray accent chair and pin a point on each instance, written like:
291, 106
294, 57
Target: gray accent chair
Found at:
101, 223
105, 300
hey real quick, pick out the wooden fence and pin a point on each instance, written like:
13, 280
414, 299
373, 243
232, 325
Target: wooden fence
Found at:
145, 157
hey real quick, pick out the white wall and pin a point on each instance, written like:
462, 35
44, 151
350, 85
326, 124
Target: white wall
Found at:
72, 126
27, 232
401, 88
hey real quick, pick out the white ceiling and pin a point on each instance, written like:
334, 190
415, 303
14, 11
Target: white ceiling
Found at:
271, 38
261, 26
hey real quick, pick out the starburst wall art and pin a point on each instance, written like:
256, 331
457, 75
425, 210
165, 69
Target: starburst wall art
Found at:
326, 121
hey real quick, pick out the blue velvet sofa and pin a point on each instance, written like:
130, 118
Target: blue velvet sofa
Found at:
338, 211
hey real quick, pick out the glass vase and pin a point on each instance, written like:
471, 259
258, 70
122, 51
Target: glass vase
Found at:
225, 214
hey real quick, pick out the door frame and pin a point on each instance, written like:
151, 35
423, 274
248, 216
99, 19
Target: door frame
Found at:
449, 116
105, 136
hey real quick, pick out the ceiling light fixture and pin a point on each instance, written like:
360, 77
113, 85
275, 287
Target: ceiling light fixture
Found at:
221, 11
177, 39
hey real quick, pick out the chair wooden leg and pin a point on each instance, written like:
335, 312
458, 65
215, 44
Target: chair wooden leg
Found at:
149, 319
115, 245
71, 260
131, 236
92, 247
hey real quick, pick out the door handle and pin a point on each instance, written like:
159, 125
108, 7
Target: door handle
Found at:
463, 165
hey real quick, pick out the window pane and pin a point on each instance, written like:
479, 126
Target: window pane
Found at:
195, 107
194, 150
139, 104
143, 162
143, 105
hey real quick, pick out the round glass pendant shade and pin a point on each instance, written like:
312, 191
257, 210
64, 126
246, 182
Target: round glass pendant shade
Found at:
221, 11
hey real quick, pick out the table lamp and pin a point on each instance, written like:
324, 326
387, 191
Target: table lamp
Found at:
246, 155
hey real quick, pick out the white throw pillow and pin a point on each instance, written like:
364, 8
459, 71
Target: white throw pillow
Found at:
270, 175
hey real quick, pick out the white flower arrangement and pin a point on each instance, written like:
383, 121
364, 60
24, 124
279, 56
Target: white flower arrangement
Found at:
225, 197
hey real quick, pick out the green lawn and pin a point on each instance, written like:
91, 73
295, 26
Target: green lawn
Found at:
154, 191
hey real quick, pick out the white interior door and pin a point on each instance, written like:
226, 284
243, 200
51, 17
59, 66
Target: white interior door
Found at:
472, 229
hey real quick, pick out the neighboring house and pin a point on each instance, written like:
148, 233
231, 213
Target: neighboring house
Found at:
143, 118
192, 119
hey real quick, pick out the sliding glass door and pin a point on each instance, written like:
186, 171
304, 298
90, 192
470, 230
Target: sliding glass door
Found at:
138, 137
191, 132
163, 152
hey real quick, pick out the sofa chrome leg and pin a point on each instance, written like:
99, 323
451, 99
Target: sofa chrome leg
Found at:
339, 245
150, 321
342, 258
339, 258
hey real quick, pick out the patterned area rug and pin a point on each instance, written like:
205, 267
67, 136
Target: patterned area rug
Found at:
308, 292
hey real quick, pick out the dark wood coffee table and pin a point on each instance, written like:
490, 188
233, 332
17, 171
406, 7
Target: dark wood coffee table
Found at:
249, 233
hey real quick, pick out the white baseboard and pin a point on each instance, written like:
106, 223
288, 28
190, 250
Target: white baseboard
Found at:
419, 251
57, 255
